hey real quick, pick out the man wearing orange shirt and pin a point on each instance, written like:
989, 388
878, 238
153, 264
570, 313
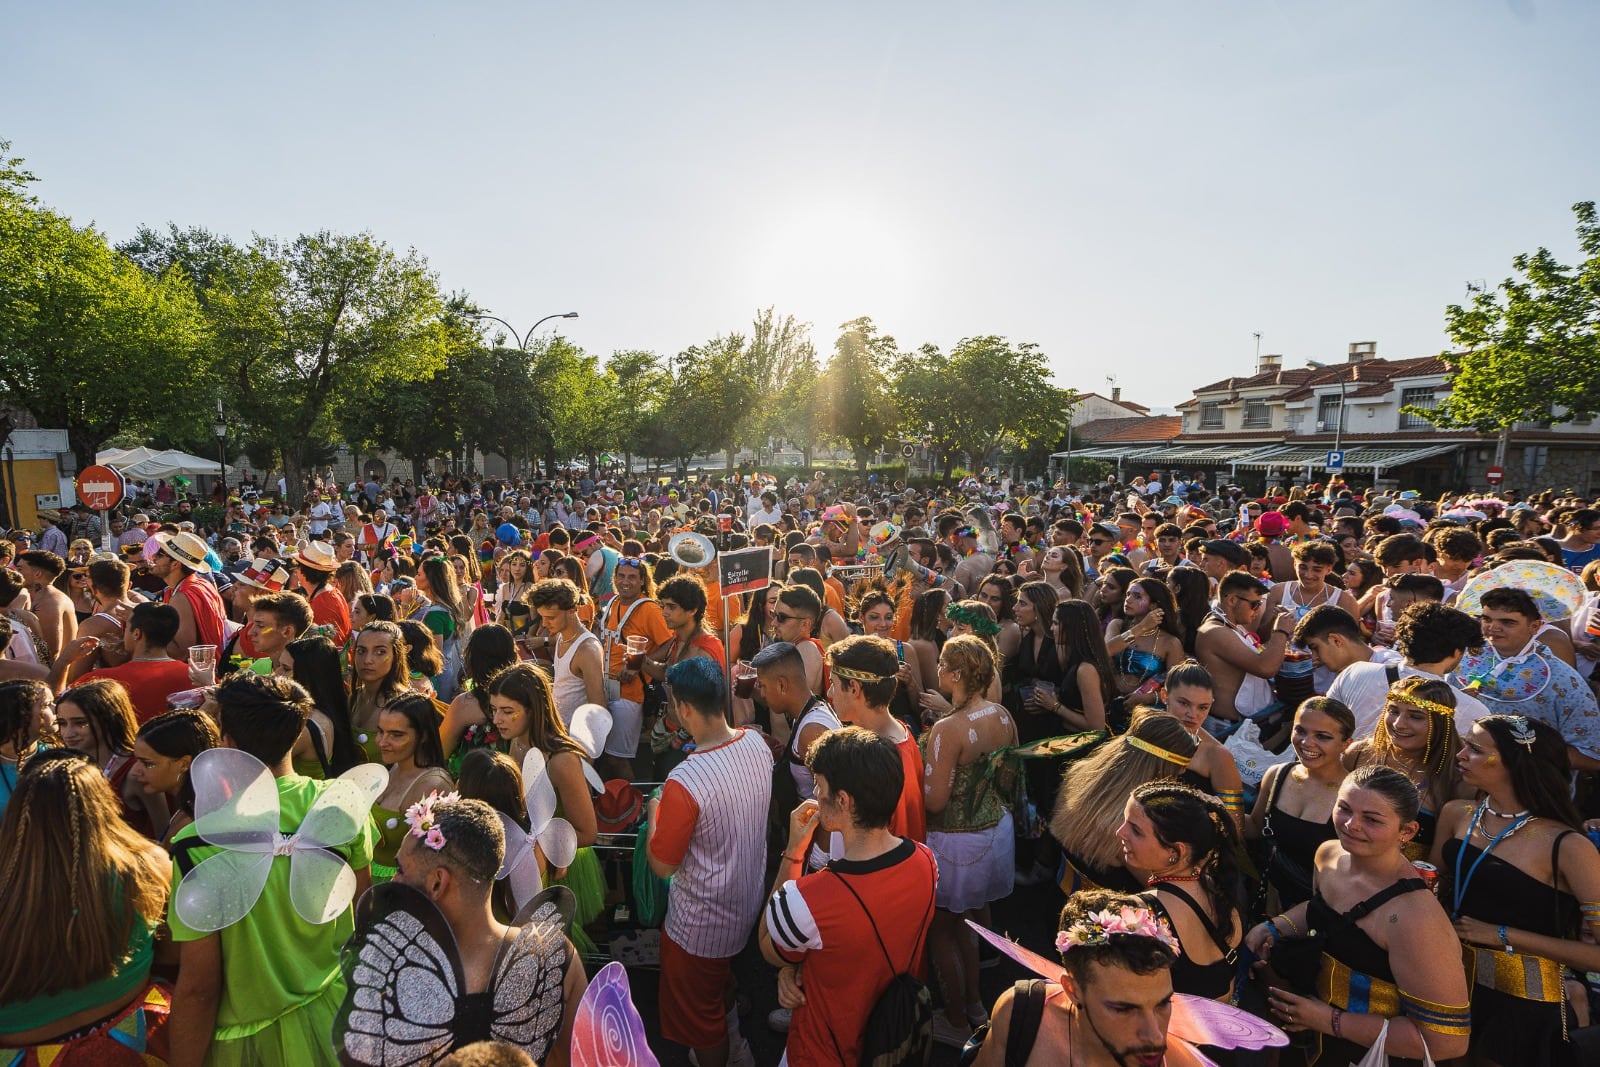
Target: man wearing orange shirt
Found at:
632, 612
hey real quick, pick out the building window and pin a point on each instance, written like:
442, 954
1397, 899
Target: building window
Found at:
1257, 415
1211, 416
1421, 397
1328, 412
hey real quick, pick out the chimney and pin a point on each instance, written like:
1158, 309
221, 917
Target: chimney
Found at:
1116, 394
1270, 363
1361, 351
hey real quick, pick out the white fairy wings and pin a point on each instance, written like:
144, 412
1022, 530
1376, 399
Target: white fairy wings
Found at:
236, 809
551, 834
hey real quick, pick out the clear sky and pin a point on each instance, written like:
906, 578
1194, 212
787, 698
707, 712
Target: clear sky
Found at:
1138, 187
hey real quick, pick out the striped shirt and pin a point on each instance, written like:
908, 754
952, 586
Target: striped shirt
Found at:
712, 823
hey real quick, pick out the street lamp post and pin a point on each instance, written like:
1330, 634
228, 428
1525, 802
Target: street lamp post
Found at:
523, 341
220, 428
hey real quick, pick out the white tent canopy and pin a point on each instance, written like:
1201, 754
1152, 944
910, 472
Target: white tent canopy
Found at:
145, 464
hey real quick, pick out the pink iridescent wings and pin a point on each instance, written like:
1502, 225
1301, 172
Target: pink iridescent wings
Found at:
607, 1030
1194, 1019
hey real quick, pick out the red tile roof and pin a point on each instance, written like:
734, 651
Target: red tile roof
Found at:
1374, 376
1155, 428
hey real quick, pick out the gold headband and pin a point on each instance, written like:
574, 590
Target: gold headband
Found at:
1154, 750
1429, 706
861, 676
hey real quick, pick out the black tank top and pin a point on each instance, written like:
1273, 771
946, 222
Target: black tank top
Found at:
1208, 980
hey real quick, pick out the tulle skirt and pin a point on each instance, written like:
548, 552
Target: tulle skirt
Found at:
588, 884
975, 866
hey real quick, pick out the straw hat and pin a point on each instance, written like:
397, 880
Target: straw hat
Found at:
187, 549
319, 556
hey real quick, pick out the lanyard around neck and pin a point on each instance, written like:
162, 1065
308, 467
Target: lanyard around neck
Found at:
1462, 883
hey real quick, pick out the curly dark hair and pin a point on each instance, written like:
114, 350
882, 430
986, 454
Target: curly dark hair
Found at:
1430, 632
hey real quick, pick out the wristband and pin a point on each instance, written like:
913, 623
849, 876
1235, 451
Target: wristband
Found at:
1336, 1013
793, 859
1505, 942
1273, 929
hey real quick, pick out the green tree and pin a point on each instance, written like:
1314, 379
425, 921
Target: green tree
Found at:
424, 418
854, 401
88, 341
638, 383
1528, 348
711, 398
984, 395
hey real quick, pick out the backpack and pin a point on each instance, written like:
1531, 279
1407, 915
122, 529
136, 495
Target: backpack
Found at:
1027, 1012
900, 1026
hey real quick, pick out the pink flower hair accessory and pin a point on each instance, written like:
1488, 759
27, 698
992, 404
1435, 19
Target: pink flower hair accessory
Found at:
420, 819
1101, 926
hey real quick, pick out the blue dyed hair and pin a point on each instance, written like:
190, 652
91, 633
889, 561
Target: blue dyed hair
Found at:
698, 682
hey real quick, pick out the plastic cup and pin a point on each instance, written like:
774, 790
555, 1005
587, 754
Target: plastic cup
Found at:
634, 657
744, 680
203, 664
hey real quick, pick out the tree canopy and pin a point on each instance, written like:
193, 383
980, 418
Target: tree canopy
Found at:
1529, 348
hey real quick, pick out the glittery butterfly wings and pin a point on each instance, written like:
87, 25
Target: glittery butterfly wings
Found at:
236, 809
553, 835
403, 977
529, 976
607, 1030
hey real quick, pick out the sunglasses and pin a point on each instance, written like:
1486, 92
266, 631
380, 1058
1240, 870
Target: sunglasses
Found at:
1256, 603
1098, 541
781, 616
629, 561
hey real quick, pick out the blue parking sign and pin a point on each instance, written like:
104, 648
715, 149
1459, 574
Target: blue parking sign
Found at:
1335, 462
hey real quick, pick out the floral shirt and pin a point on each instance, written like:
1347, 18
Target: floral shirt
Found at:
1537, 685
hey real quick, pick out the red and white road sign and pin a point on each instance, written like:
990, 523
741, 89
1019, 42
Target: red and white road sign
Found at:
100, 488
1495, 475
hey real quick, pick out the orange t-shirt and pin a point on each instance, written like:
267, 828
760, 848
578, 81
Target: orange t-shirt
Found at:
714, 607
645, 621
833, 594
910, 818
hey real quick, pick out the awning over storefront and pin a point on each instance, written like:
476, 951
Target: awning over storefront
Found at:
1375, 458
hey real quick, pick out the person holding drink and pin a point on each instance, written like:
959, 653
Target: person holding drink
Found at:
631, 626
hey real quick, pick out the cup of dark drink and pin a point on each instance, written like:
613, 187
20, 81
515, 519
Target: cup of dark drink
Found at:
744, 679
634, 657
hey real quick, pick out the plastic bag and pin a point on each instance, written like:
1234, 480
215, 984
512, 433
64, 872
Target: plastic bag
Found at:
1253, 759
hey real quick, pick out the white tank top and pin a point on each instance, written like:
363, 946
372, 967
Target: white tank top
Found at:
568, 689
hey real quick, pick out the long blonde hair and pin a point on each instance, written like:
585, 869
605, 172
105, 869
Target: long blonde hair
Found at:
1094, 790
74, 873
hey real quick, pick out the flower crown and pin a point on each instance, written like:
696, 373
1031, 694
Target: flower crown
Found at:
1099, 927
419, 817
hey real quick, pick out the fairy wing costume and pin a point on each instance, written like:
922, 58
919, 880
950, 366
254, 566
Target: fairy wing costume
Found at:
1195, 1020
406, 1001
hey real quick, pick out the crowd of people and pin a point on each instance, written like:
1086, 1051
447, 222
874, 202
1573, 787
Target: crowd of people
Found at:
343, 782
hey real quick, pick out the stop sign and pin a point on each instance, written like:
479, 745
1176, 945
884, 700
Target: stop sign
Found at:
99, 487
1495, 475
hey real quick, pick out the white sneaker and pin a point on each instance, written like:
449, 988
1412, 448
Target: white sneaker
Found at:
778, 1020
946, 1032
